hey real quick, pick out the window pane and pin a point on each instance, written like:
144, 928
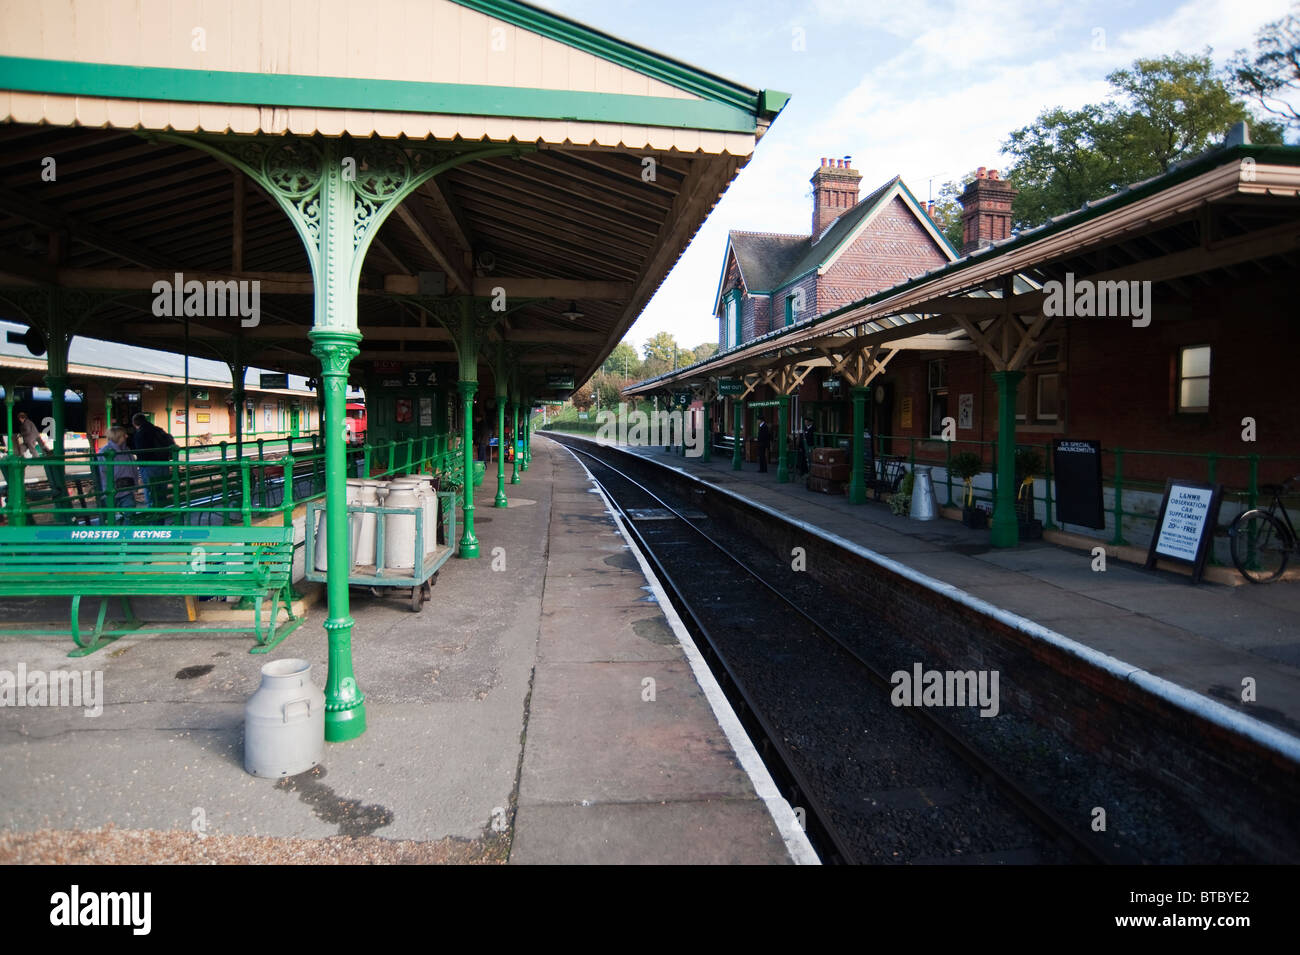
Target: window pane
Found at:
1196, 362
1049, 399
1194, 394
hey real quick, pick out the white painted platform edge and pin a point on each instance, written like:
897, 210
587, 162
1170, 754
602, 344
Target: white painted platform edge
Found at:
1181, 697
787, 824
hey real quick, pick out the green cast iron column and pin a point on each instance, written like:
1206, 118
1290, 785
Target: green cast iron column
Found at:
707, 454
736, 449
857, 480
468, 542
515, 441
500, 500
1005, 530
345, 711
782, 440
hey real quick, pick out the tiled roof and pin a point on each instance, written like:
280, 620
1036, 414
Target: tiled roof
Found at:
765, 258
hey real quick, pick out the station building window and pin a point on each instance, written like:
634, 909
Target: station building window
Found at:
938, 396
1194, 379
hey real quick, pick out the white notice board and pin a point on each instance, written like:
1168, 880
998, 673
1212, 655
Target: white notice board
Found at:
1185, 524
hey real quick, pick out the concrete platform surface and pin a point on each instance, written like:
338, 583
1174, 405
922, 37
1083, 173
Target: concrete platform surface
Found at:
510, 716
1206, 637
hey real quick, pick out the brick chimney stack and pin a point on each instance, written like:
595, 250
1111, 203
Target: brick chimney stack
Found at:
835, 191
986, 210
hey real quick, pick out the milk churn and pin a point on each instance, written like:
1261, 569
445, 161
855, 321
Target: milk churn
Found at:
284, 721
363, 524
399, 529
924, 507
429, 505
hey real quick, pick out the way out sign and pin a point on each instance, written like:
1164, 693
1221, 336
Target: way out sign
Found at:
1185, 525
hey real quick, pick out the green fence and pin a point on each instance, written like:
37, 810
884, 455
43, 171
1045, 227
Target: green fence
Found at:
268, 481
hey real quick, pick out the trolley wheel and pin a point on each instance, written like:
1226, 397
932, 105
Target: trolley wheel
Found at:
417, 598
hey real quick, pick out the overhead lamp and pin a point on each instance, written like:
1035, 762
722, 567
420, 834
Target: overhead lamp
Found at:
572, 313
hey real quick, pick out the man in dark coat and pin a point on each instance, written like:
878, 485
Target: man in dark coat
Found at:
152, 446
764, 442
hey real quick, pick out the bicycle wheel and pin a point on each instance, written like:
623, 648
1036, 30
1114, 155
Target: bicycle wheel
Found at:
1261, 546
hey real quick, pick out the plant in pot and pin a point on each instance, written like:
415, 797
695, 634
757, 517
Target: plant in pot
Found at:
1029, 464
901, 501
965, 466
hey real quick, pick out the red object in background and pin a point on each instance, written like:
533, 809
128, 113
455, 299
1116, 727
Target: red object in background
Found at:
356, 421
403, 411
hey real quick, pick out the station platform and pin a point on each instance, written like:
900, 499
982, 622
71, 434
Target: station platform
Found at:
1206, 638
544, 707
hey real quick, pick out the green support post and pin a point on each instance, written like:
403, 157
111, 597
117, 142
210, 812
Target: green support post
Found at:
1118, 540
515, 442
502, 392
857, 480
528, 436
1005, 530
15, 478
707, 415
468, 542
736, 450
783, 440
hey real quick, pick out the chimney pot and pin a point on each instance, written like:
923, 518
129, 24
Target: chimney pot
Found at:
986, 210
835, 189
993, 174
823, 160
981, 173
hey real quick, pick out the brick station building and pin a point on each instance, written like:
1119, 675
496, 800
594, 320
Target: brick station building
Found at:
899, 330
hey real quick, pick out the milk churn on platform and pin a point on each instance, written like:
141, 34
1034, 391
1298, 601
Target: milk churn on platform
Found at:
924, 506
363, 524
429, 504
399, 529
284, 721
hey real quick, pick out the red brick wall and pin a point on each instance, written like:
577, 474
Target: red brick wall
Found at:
892, 248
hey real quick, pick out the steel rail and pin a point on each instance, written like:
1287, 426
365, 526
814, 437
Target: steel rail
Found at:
1045, 818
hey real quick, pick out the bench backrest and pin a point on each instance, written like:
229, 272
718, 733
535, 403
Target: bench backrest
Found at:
266, 552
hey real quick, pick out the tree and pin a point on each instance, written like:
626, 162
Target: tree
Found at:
1274, 71
583, 397
707, 350
661, 346
608, 389
622, 361
1163, 110
947, 209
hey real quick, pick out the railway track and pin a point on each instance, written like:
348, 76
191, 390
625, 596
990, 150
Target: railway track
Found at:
876, 783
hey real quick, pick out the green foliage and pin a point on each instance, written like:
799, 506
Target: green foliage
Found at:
661, 346
707, 350
1162, 110
901, 501
1271, 77
1029, 463
966, 465
623, 362
947, 210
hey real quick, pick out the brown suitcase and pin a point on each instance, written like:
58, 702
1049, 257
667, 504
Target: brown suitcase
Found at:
824, 486
830, 456
831, 472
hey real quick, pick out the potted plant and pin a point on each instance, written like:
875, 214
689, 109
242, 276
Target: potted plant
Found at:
901, 501
1029, 463
966, 465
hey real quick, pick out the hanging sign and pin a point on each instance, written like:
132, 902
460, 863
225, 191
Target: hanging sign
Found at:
1185, 524
769, 403
730, 386
198, 394
1076, 467
274, 380
682, 398
559, 381
422, 377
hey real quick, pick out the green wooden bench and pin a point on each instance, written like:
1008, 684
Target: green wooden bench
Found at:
135, 561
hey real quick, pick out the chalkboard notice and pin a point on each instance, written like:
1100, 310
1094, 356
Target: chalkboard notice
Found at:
1076, 468
1185, 524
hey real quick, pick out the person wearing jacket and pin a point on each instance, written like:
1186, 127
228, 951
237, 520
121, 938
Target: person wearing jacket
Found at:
118, 472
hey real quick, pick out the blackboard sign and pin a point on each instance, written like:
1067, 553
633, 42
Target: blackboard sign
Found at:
1076, 468
274, 380
730, 386
1185, 524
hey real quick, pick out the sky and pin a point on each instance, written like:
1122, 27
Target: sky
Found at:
925, 89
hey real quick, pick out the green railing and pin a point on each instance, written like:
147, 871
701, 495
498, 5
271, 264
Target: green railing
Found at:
1241, 474
205, 489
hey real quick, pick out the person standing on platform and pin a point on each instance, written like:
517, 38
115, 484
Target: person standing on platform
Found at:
28, 438
805, 448
764, 442
152, 446
118, 472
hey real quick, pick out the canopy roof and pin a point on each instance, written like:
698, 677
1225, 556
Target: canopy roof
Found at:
616, 156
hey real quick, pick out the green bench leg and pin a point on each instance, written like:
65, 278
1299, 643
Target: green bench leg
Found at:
99, 638
268, 641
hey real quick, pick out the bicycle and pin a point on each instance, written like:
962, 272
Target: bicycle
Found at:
1262, 542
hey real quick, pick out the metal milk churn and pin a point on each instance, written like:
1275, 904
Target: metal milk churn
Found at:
429, 503
363, 525
284, 721
322, 544
399, 529
924, 507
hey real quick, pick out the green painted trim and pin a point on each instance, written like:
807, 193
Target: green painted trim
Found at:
620, 52
71, 78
